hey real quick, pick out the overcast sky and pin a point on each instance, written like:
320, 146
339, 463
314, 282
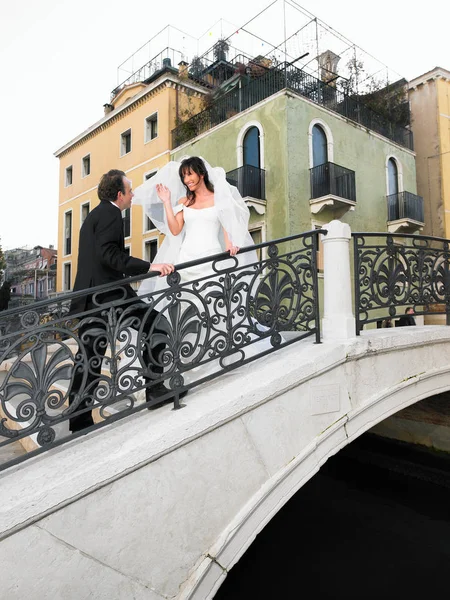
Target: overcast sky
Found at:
59, 62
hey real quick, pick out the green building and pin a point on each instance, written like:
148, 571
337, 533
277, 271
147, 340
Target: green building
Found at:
302, 153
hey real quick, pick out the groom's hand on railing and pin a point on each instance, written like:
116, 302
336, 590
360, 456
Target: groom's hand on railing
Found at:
163, 268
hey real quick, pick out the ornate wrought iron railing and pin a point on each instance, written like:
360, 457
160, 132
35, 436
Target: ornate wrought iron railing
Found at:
273, 80
57, 365
399, 271
249, 180
330, 178
405, 205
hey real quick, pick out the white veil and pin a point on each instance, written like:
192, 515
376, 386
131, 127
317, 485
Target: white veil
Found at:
232, 211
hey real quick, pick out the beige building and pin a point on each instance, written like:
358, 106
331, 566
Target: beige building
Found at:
430, 110
134, 135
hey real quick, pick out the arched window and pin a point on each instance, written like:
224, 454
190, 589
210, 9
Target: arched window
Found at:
252, 152
319, 145
392, 177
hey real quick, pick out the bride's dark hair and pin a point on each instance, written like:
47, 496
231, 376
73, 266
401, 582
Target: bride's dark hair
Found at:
196, 165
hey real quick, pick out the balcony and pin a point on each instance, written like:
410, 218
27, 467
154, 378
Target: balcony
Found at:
334, 187
251, 183
405, 213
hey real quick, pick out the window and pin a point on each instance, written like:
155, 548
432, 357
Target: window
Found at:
32, 289
125, 142
257, 239
67, 276
252, 154
148, 224
85, 208
126, 214
392, 177
69, 176
319, 254
319, 145
151, 128
151, 249
86, 165
127, 250
68, 232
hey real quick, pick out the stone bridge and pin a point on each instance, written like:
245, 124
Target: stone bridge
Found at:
162, 505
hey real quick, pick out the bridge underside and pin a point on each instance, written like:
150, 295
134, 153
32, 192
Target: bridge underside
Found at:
162, 505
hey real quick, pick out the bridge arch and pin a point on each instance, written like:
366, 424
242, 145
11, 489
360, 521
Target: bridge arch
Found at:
164, 504
240, 533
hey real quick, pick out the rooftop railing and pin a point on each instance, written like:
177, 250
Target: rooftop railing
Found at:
286, 76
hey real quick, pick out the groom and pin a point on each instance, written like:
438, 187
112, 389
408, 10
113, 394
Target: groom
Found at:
102, 259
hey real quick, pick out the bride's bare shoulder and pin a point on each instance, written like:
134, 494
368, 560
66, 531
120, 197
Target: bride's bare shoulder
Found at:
182, 200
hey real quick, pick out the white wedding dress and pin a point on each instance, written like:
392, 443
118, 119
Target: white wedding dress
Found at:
224, 327
205, 300
202, 238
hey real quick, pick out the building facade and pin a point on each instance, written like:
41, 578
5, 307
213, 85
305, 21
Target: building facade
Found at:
31, 272
314, 165
300, 151
430, 110
135, 136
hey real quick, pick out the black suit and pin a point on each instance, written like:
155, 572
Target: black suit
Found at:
406, 320
102, 259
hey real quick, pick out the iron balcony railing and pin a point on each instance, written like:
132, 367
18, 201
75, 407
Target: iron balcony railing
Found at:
397, 272
253, 90
329, 178
405, 205
180, 336
249, 180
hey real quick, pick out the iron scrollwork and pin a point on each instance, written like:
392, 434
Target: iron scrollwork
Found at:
394, 272
180, 336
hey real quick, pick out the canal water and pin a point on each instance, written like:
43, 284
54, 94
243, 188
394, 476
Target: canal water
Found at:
374, 523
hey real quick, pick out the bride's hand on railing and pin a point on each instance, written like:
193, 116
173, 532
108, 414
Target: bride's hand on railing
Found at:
163, 193
233, 250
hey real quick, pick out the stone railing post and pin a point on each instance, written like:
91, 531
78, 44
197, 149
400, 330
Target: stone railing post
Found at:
338, 321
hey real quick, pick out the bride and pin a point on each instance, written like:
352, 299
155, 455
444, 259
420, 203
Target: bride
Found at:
183, 190
201, 215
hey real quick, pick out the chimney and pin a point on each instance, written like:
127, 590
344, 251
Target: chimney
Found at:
108, 108
183, 69
166, 63
328, 62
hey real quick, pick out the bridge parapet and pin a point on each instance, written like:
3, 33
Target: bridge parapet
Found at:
165, 503
101, 352
394, 272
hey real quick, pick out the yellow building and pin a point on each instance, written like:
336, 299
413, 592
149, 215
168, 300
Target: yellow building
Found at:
135, 136
430, 111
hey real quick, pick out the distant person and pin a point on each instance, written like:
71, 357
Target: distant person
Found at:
102, 259
407, 319
5, 295
386, 323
